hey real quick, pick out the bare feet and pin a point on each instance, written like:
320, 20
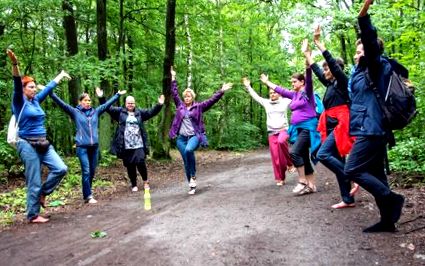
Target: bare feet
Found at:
355, 189
343, 205
39, 220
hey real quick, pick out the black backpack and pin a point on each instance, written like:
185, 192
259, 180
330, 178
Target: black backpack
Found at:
398, 105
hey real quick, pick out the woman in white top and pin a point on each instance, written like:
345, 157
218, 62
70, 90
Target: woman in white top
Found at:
277, 128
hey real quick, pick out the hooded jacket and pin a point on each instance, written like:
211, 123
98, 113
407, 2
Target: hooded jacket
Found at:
86, 120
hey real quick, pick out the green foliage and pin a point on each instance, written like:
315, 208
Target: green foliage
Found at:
408, 156
229, 39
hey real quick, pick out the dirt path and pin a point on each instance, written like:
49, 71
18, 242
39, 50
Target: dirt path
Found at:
238, 217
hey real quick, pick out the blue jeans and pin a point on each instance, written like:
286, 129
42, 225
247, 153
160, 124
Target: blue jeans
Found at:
329, 156
365, 165
32, 161
88, 157
187, 147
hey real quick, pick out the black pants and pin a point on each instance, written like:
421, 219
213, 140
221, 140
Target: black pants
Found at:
132, 172
300, 151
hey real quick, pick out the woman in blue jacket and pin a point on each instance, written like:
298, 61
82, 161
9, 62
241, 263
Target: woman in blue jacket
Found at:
365, 165
86, 120
33, 147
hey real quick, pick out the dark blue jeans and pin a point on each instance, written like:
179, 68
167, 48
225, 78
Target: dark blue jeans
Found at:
88, 157
300, 151
329, 156
365, 165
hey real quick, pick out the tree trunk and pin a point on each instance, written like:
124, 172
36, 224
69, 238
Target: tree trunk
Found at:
74, 84
102, 50
162, 147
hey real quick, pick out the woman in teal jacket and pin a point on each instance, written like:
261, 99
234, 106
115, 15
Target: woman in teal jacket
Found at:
86, 120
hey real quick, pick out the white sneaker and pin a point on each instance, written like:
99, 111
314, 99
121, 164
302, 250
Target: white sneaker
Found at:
300, 186
192, 183
92, 201
192, 191
135, 189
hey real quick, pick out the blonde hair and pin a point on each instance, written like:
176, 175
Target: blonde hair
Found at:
189, 91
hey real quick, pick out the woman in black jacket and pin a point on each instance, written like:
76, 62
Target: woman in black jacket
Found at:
131, 141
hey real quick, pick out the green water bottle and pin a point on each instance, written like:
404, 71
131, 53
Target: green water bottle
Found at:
147, 199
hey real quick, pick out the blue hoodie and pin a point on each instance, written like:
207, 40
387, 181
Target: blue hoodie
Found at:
86, 120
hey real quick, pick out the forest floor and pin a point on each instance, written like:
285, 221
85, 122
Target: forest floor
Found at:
238, 217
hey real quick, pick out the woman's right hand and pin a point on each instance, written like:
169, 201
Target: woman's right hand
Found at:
12, 57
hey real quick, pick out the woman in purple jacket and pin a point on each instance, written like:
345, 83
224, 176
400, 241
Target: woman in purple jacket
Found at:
188, 125
303, 135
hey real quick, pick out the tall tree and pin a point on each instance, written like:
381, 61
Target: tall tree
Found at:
71, 47
102, 52
162, 147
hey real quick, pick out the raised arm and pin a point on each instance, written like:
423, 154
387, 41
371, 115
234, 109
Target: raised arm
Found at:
105, 106
51, 85
66, 107
282, 91
174, 89
335, 69
205, 105
14, 60
18, 96
305, 49
251, 91
369, 37
147, 114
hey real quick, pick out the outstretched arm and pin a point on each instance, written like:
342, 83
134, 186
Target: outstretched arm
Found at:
107, 105
51, 85
265, 79
251, 91
282, 91
205, 105
147, 114
66, 107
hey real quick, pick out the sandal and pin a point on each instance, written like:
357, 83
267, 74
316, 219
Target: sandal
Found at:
292, 169
343, 205
280, 183
306, 190
300, 186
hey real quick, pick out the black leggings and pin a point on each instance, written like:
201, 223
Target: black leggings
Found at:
300, 151
132, 172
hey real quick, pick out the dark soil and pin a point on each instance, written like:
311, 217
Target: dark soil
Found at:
238, 217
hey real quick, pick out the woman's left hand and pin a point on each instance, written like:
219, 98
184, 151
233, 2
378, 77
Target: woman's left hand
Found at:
122, 92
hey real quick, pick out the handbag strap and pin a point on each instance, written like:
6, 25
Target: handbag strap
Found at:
20, 113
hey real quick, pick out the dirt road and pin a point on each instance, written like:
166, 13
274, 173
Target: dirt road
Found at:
238, 217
